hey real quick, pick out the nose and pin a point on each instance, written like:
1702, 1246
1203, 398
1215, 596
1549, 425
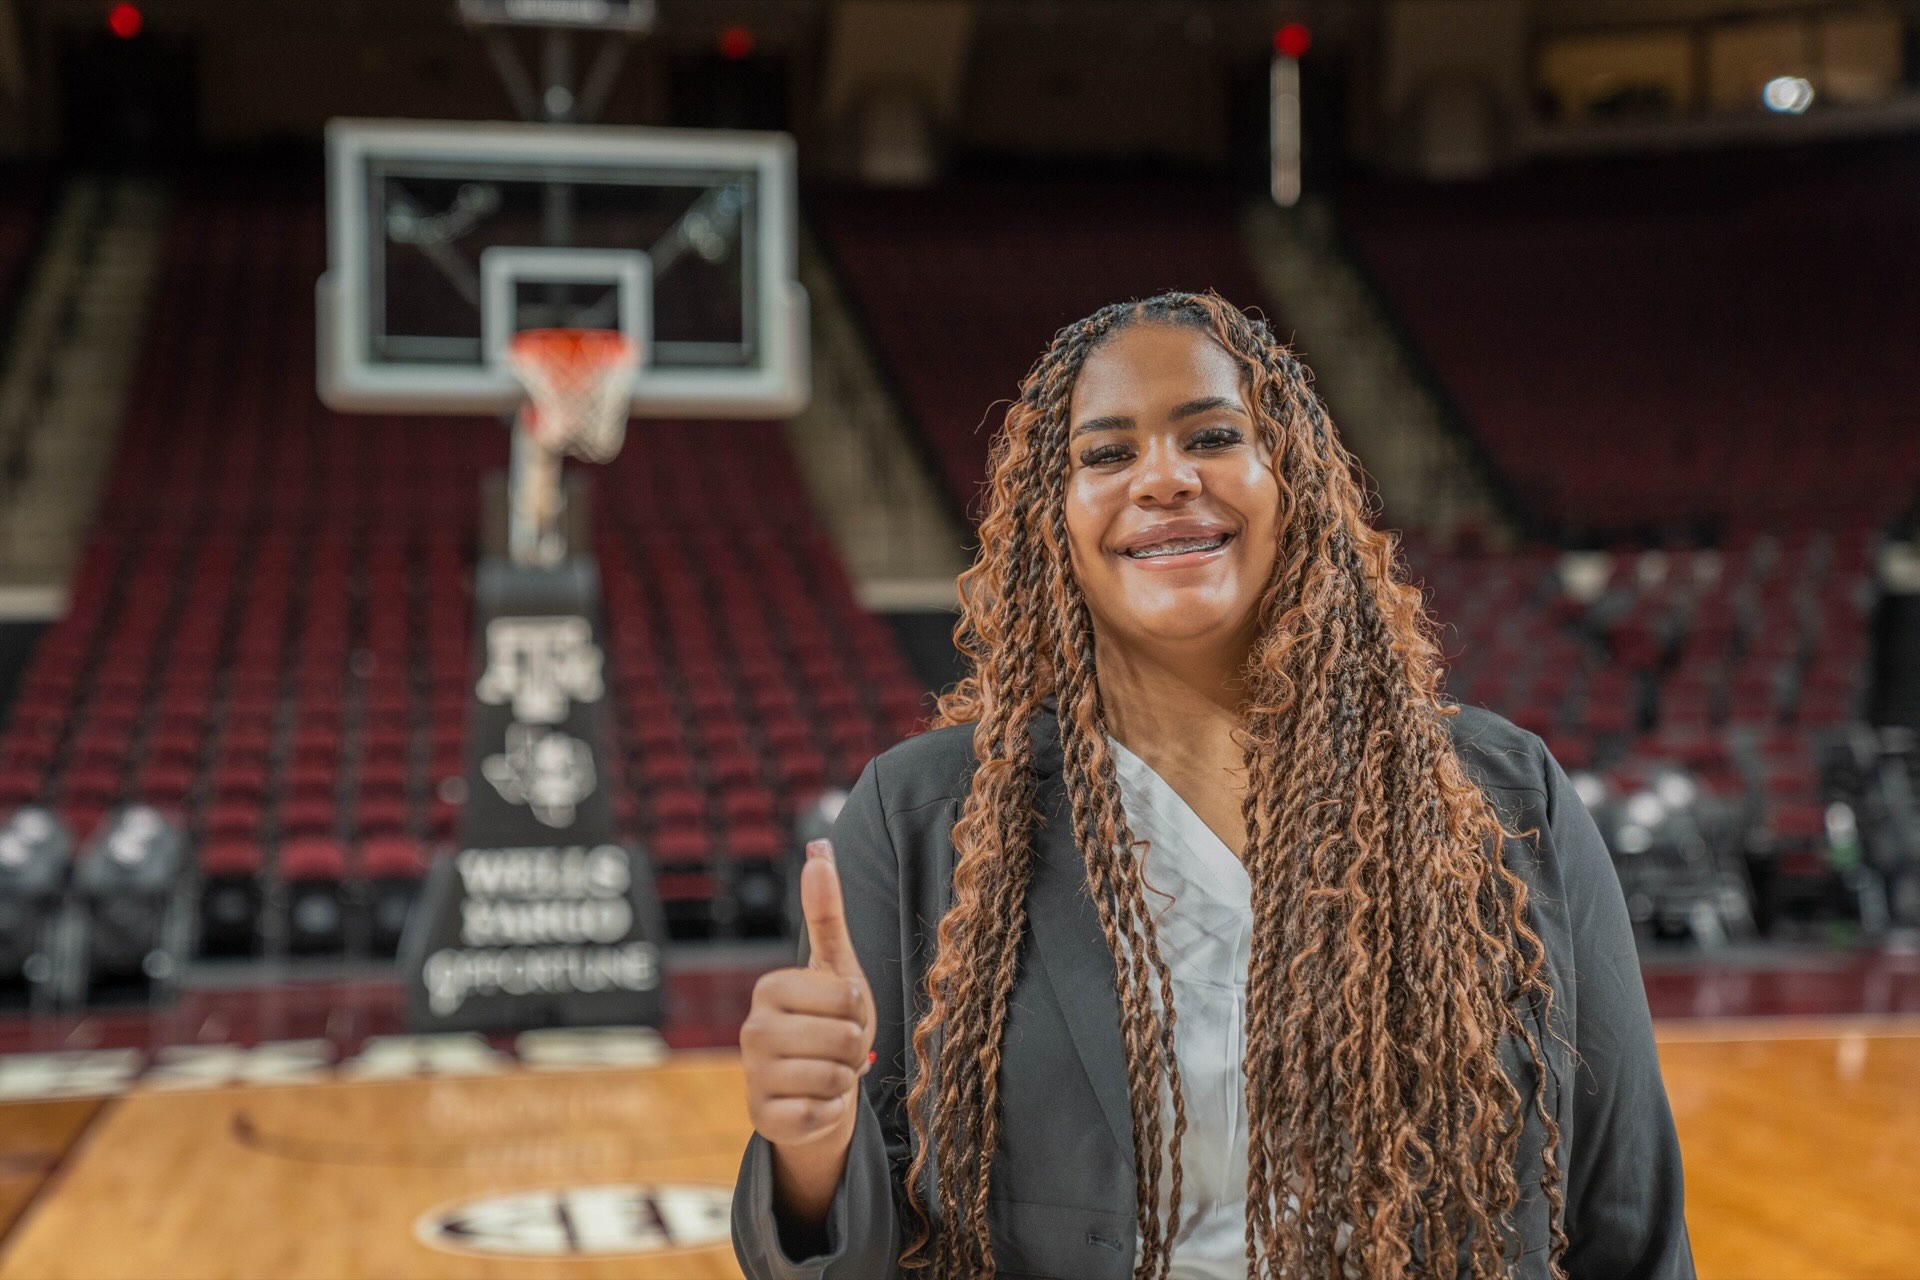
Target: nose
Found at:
1165, 473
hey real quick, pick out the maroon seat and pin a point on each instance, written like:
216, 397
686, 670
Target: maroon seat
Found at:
675, 848
174, 743
384, 776
686, 886
311, 859
240, 779
91, 784
231, 819
392, 857
677, 806
310, 779
1796, 822
162, 781
227, 857
380, 815
443, 816
306, 816
747, 806
756, 842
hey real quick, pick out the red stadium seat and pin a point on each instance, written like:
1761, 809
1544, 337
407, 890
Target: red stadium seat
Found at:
239, 858
306, 817
756, 842
380, 815
310, 859
392, 858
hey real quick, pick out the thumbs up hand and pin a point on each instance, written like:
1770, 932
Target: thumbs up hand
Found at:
804, 1045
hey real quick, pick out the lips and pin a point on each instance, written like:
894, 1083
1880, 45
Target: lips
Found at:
1175, 531
1191, 550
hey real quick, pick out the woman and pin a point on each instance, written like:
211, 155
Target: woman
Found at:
1367, 987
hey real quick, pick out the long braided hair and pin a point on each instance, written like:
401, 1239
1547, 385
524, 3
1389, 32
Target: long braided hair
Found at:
1390, 950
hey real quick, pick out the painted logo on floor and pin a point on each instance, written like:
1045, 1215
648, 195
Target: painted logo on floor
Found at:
572, 1222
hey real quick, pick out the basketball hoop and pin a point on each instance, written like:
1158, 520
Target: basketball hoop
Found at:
578, 382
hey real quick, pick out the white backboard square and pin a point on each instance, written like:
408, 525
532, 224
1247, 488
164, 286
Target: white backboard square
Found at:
430, 225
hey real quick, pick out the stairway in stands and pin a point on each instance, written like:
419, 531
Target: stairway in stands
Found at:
70, 349
1390, 410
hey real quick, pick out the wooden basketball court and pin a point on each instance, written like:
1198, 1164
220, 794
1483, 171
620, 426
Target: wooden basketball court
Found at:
1800, 1137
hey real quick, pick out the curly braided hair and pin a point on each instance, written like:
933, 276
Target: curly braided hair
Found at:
1391, 954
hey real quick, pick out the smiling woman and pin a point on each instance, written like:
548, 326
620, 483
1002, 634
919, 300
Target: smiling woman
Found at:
1405, 1035
1170, 509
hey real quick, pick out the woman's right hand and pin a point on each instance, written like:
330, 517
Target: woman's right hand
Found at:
806, 1041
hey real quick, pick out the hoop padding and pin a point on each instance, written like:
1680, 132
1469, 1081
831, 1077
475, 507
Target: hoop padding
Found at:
578, 385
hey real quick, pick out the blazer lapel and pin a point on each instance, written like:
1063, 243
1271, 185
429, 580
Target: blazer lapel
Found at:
1068, 940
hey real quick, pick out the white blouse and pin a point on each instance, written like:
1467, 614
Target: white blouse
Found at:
1206, 937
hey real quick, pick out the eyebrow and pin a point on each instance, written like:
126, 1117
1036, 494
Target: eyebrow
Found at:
1186, 409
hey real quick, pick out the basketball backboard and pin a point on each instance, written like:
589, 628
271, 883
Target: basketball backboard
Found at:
446, 239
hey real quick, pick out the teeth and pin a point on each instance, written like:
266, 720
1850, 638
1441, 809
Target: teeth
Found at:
1177, 548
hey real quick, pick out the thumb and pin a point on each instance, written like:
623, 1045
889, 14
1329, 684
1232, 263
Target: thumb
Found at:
829, 945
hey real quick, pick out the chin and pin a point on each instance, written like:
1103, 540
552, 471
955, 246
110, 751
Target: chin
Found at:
1181, 627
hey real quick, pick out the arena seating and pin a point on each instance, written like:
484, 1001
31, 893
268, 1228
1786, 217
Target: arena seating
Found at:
270, 629
1728, 662
1672, 341
1711, 353
747, 676
929, 270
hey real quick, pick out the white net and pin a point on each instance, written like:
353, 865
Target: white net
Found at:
578, 386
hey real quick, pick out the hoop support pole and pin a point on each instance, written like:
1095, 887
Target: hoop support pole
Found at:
536, 503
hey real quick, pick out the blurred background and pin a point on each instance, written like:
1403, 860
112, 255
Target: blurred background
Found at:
1617, 302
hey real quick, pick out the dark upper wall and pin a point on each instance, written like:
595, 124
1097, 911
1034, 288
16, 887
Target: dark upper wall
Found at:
1397, 83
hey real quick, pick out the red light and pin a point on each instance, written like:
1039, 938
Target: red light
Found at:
125, 20
1292, 40
736, 43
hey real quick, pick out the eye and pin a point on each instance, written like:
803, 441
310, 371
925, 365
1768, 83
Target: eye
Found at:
1219, 436
1105, 453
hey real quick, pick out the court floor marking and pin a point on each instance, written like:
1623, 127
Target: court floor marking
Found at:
1805, 1027
49, 1177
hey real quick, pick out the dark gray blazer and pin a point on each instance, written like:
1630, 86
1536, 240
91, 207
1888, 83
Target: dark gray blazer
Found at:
1063, 1182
